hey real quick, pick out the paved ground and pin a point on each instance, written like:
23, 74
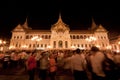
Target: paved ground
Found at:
21, 74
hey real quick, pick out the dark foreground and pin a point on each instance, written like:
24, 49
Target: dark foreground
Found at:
21, 74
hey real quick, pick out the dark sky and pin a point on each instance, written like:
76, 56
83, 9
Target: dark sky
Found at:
43, 13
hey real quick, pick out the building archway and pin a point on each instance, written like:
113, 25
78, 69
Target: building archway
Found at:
60, 44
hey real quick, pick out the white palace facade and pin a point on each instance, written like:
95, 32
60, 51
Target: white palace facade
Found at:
58, 37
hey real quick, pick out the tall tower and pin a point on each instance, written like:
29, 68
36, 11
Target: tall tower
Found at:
58, 30
25, 25
93, 25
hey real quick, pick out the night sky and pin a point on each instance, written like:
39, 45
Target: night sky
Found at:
43, 13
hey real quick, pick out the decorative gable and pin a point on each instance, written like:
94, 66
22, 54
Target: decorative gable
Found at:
19, 28
100, 28
60, 26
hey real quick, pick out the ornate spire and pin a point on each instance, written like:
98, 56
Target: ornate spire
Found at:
60, 24
93, 24
60, 18
25, 25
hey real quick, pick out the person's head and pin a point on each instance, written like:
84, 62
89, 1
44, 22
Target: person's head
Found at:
51, 56
44, 54
94, 49
77, 50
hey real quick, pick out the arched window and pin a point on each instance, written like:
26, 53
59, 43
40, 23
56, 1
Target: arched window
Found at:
73, 36
46, 37
78, 45
17, 37
14, 37
104, 37
30, 46
81, 37
77, 37
41, 45
34, 46
37, 45
60, 44
54, 44
49, 36
31, 36
42, 36
101, 37
66, 44
20, 37
85, 36
17, 45
27, 37
45, 45
70, 36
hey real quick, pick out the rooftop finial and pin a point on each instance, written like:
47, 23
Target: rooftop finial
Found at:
26, 23
60, 19
93, 24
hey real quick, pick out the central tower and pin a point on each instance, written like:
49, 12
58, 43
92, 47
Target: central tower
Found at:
60, 37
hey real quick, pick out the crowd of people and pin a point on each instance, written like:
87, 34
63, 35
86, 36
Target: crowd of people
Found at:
91, 64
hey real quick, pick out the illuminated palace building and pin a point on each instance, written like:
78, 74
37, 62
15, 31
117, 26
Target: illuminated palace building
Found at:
58, 37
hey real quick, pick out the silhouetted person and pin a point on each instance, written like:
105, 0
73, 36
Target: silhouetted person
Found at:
78, 66
31, 65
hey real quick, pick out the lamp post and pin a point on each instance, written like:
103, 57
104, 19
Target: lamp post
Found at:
36, 39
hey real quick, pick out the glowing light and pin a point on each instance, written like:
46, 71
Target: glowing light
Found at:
4, 42
24, 46
48, 46
117, 51
1, 49
40, 48
90, 39
0, 41
36, 38
2, 45
108, 47
98, 46
81, 48
119, 42
12, 47
73, 47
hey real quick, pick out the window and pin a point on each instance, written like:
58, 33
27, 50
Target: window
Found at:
66, 44
70, 36
20, 37
45, 45
30, 46
81, 37
49, 36
73, 36
85, 36
33, 45
41, 45
54, 44
14, 37
46, 37
27, 37
17, 37
77, 37
60, 44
